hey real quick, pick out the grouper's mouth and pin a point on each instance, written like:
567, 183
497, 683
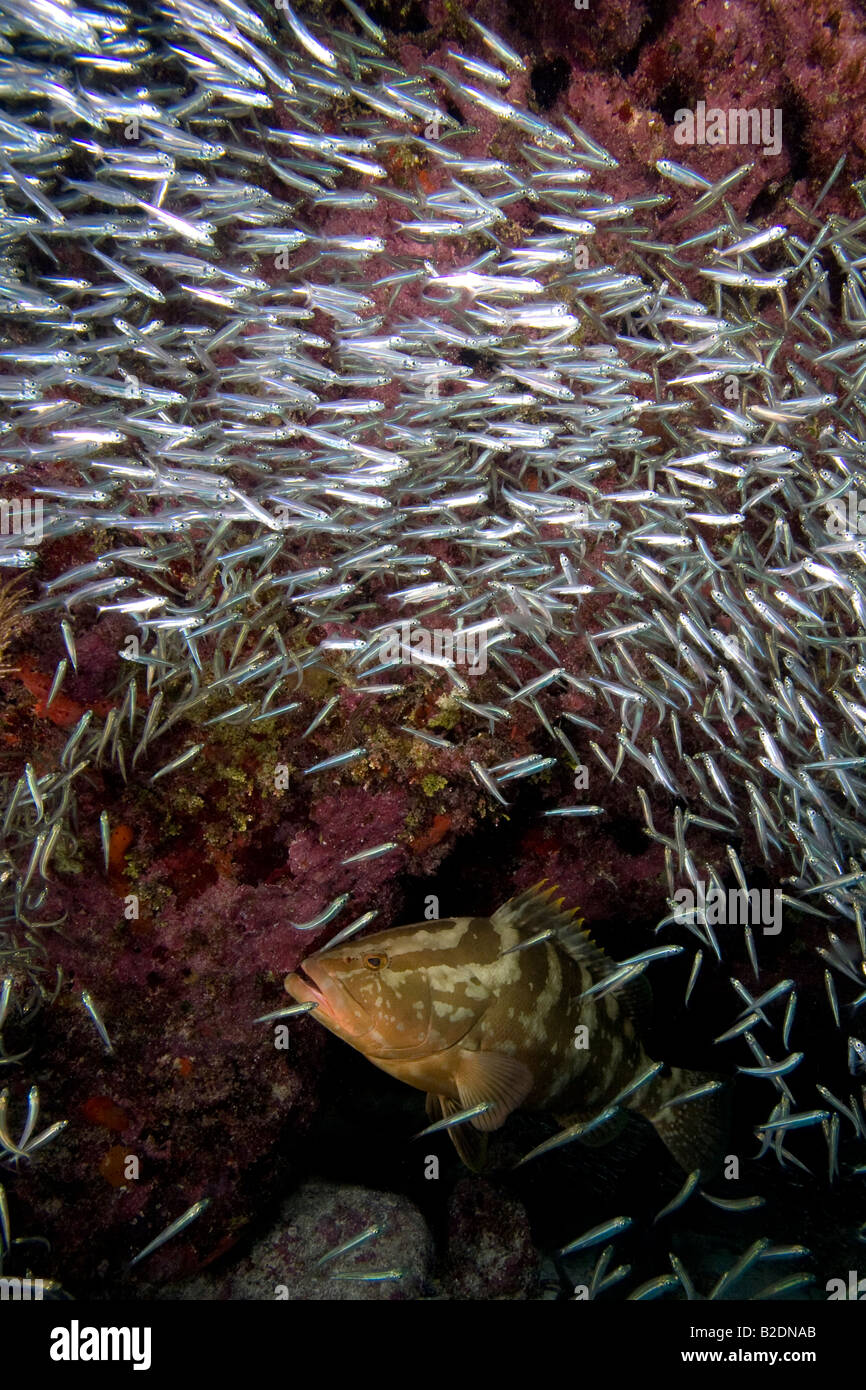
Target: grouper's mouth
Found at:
336, 1008
308, 981
301, 986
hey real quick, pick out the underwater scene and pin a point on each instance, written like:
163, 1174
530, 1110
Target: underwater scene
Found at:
433, 651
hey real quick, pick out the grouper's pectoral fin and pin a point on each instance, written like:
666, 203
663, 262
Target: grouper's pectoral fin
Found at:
470, 1144
482, 1078
493, 1078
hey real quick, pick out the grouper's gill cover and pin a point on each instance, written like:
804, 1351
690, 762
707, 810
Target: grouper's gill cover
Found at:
452, 1009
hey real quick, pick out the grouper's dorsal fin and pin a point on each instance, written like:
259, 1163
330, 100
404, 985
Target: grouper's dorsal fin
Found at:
539, 910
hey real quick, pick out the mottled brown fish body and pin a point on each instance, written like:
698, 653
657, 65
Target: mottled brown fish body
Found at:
455, 1010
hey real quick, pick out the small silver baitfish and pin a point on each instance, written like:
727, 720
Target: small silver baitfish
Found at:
453, 1008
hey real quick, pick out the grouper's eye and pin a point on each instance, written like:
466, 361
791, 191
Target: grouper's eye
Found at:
376, 962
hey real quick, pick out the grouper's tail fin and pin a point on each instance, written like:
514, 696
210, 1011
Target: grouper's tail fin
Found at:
691, 1115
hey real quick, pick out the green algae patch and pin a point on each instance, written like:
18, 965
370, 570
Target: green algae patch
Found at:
431, 784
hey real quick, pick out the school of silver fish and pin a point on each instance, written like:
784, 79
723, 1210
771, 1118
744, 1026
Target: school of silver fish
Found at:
211, 354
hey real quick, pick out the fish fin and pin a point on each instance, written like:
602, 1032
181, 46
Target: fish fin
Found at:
534, 910
696, 1132
491, 1076
471, 1145
537, 910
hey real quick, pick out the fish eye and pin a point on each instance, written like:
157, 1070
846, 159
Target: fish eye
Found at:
375, 962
